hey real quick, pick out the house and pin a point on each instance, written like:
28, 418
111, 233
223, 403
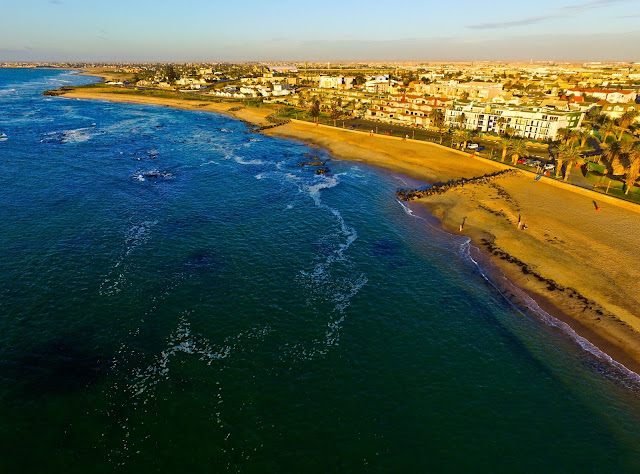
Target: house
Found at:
610, 95
615, 111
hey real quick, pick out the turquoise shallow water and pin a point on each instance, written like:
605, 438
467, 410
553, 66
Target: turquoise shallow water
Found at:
239, 313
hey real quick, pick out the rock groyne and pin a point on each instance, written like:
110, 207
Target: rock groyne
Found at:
439, 188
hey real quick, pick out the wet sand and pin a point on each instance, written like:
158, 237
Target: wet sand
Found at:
580, 264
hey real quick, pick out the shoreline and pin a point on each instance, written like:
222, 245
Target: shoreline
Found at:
603, 318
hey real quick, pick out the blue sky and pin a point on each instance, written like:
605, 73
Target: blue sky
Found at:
112, 30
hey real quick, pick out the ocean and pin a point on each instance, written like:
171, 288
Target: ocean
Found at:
177, 293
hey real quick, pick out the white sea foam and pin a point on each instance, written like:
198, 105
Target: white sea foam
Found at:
532, 306
135, 236
78, 135
320, 281
242, 161
140, 384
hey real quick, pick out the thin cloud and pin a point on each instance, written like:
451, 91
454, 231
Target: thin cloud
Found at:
590, 5
560, 12
532, 20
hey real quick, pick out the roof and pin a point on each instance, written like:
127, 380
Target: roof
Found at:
601, 91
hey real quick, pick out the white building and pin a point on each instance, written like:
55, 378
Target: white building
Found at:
336, 82
537, 123
610, 95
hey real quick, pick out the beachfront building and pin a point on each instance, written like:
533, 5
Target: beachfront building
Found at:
613, 96
410, 110
537, 123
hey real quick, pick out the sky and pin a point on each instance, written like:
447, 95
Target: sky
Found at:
327, 30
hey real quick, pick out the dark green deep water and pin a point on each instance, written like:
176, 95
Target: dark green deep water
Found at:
239, 313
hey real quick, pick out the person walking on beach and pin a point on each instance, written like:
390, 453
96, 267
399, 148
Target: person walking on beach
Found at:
371, 134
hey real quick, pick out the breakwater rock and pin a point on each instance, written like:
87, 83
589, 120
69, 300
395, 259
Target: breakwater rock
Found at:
315, 162
273, 125
439, 188
57, 92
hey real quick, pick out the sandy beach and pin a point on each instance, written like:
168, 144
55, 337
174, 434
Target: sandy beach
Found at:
580, 264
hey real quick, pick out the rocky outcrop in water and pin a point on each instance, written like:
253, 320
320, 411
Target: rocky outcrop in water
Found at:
315, 162
439, 188
59, 91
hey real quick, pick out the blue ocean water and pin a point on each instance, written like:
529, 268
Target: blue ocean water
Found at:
177, 293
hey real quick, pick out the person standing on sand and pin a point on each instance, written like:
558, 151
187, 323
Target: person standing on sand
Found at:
371, 134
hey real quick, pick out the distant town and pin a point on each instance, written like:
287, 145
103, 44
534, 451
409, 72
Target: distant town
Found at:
574, 107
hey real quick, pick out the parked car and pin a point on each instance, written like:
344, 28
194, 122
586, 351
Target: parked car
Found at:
549, 166
521, 160
472, 146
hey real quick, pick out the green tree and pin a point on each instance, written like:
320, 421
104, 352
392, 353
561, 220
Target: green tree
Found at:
607, 129
466, 136
314, 111
170, 74
626, 120
634, 168
461, 120
336, 111
437, 120
505, 143
517, 149
563, 134
584, 135
571, 156
572, 137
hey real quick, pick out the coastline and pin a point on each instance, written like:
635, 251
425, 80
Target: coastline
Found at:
565, 237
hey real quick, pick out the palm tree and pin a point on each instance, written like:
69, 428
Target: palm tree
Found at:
437, 119
634, 168
501, 121
517, 149
584, 135
607, 128
510, 131
561, 152
614, 153
466, 135
506, 144
571, 155
314, 111
626, 120
461, 119
563, 134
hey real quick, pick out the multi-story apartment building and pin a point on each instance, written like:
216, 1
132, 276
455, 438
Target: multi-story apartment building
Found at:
336, 82
412, 110
538, 123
